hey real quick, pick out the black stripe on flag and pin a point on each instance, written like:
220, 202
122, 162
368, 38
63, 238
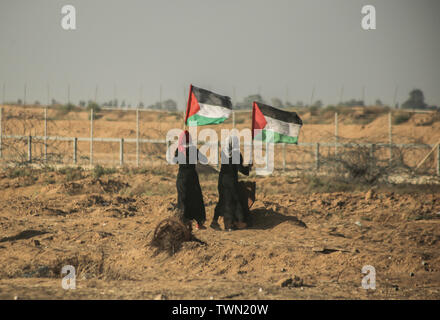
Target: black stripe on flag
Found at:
208, 97
278, 114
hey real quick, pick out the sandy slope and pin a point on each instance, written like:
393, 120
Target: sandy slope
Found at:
102, 227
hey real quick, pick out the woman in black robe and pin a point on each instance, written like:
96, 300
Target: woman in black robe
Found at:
189, 194
230, 206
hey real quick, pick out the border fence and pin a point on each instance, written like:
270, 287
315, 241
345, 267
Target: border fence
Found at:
35, 148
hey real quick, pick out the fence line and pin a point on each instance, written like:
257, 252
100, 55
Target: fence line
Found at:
138, 141
91, 139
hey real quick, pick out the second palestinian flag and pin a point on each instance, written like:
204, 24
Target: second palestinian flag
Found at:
206, 107
285, 125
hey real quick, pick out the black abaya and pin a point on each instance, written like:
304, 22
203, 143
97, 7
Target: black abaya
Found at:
230, 206
189, 193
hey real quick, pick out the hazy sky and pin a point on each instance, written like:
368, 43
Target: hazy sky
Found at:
251, 45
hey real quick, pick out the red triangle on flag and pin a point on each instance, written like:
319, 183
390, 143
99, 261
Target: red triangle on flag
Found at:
258, 119
193, 105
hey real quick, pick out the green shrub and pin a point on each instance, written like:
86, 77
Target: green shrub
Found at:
20, 172
93, 105
65, 109
96, 109
72, 174
401, 118
99, 171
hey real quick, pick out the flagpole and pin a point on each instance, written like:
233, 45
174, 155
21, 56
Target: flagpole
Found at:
252, 134
187, 107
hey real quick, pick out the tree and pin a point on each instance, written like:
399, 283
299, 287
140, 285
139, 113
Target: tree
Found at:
318, 104
276, 103
352, 103
155, 106
93, 105
416, 100
169, 105
108, 103
248, 101
288, 104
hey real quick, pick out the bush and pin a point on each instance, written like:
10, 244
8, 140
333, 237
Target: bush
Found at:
326, 184
357, 164
99, 171
72, 174
314, 110
401, 118
93, 105
19, 172
96, 109
65, 109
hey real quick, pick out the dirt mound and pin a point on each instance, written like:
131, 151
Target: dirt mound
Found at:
91, 186
93, 200
170, 234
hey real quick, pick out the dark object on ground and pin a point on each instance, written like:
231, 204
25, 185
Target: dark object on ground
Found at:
247, 192
170, 234
295, 282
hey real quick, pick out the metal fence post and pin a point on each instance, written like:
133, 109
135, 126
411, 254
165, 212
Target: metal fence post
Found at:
233, 119
137, 138
372, 150
121, 152
1, 132
75, 150
336, 134
45, 134
29, 149
317, 155
91, 137
390, 131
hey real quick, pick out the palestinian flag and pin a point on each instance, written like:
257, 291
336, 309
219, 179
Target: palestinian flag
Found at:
206, 107
285, 125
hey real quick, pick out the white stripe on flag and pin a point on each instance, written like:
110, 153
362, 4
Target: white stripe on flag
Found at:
210, 111
282, 127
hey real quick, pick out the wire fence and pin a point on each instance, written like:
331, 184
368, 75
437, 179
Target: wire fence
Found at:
115, 137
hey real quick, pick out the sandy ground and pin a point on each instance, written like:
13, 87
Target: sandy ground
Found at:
103, 226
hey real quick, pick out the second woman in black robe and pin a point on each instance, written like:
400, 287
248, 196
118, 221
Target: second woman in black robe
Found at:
230, 205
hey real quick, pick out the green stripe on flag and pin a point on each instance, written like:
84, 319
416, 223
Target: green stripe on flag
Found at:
277, 137
203, 121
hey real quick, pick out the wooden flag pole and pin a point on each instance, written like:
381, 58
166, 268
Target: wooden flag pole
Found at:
252, 134
187, 107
